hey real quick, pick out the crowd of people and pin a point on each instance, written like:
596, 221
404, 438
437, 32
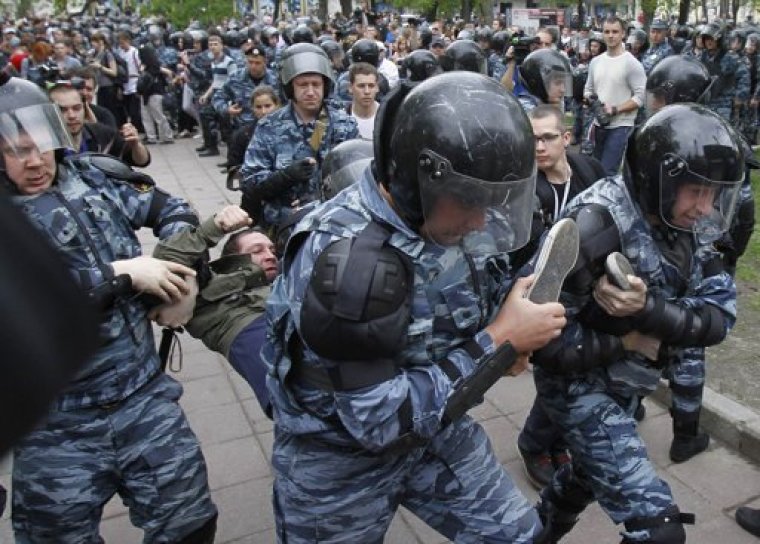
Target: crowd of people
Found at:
414, 224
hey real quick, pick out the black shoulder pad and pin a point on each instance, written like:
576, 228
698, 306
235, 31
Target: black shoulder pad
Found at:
357, 304
599, 236
116, 169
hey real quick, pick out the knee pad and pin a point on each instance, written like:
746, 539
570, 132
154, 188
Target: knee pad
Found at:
667, 528
202, 535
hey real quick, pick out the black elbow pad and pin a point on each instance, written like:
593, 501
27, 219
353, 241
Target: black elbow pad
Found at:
599, 236
679, 326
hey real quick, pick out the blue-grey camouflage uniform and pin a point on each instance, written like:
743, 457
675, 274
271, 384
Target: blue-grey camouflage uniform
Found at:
594, 408
496, 66
733, 82
238, 90
168, 56
655, 54
117, 428
335, 480
279, 140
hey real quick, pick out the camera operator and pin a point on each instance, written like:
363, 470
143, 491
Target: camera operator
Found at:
620, 83
521, 47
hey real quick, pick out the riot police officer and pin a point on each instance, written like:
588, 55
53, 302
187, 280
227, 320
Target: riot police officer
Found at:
118, 426
369, 392
628, 327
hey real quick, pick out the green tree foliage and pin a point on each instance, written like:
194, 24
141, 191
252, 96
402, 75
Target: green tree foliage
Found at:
181, 12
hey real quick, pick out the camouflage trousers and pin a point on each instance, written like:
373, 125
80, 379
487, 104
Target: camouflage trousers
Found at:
687, 380
610, 462
66, 470
326, 493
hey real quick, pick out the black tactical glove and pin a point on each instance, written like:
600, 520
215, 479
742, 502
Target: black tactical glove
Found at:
300, 171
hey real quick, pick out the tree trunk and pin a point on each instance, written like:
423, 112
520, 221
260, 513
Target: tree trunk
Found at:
466, 10
276, 14
683, 11
432, 13
704, 10
581, 14
346, 8
322, 12
735, 10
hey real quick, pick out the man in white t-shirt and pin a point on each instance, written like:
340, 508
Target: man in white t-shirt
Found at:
619, 81
130, 100
363, 87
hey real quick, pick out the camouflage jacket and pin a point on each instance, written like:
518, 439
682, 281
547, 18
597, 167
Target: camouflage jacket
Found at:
238, 90
655, 54
632, 374
233, 295
456, 292
281, 139
733, 81
91, 220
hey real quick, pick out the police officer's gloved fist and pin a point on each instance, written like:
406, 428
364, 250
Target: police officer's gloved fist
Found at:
300, 171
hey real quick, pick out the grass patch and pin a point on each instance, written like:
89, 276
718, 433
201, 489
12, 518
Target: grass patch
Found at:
748, 268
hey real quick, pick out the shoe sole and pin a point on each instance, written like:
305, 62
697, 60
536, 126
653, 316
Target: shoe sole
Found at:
555, 261
618, 268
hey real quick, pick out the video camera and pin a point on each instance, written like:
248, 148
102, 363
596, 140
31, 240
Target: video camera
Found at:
597, 110
522, 47
50, 71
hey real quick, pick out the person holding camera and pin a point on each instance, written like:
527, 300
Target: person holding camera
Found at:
619, 82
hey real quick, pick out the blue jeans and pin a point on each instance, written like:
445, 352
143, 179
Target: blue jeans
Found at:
609, 147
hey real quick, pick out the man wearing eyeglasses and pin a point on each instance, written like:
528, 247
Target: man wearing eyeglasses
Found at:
96, 137
561, 176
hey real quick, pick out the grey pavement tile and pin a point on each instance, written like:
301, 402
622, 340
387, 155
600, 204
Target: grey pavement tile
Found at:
261, 423
510, 395
6, 464
219, 424
420, 529
244, 509
400, 532
6, 531
114, 508
241, 387
503, 436
517, 473
267, 440
196, 365
726, 478
692, 502
723, 530
205, 392
234, 462
657, 433
484, 411
262, 537
593, 527
120, 530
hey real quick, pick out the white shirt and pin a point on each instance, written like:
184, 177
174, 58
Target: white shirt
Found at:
366, 125
133, 64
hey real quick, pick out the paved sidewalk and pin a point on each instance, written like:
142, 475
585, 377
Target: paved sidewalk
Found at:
237, 437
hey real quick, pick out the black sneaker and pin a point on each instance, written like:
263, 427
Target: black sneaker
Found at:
211, 152
555, 261
538, 468
618, 268
749, 519
201, 149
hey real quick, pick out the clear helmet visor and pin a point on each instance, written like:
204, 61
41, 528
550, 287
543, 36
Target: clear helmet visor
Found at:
478, 213
335, 182
693, 203
31, 129
558, 84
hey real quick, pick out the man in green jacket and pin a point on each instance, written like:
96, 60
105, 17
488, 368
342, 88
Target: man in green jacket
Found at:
225, 308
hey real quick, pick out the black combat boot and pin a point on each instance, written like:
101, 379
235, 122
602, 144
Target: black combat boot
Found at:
558, 515
688, 441
749, 519
667, 528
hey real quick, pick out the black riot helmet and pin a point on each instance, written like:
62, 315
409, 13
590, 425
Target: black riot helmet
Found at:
499, 42
484, 35
28, 120
464, 55
304, 58
334, 51
637, 40
458, 137
677, 79
344, 166
303, 34
365, 50
426, 36
682, 152
466, 35
421, 64
737, 39
547, 75
712, 30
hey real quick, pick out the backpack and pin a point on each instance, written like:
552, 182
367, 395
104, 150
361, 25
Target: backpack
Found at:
122, 71
145, 84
